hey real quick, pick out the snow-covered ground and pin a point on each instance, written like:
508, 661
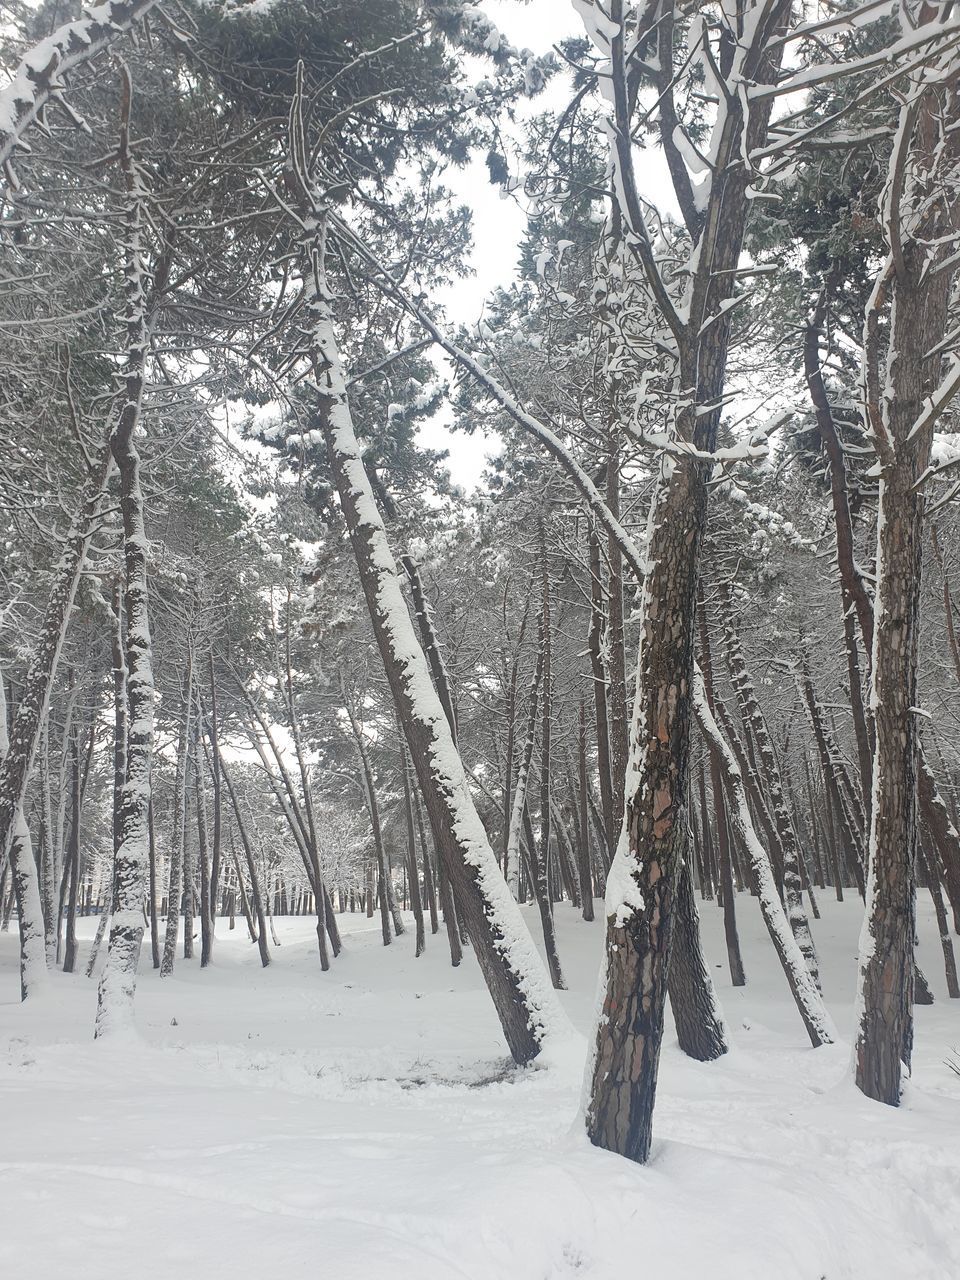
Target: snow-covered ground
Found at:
366, 1123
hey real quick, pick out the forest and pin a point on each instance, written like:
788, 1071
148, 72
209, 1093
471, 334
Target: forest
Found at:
480, 638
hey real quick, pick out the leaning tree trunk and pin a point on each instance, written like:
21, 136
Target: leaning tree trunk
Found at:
808, 1000
503, 946
41, 671
738, 977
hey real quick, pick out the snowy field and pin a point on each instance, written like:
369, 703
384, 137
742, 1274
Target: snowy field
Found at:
366, 1123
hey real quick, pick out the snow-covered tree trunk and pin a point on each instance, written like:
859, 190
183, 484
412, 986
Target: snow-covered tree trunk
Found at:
41, 670
175, 884
119, 977
512, 869
540, 861
921, 219
854, 595
72, 865
521, 993
118, 663
26, 887
583, 819
731, 936
805, 993
203, 850
216, 835
642, 884
429, 881
48, 859
753, 715
596, 646
848, 834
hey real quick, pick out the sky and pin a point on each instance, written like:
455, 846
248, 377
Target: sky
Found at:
498, 221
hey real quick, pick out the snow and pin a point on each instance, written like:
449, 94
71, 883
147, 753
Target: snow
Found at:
270, 1121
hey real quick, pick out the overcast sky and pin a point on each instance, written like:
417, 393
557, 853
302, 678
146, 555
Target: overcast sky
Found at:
498, 222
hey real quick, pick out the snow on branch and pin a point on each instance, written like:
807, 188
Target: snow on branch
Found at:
40, 76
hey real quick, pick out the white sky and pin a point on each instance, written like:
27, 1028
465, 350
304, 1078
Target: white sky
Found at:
498, 222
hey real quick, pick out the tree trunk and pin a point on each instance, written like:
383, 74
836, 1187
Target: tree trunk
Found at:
412, 874
73, 855
583, 815
177, 844
503, 946
920, 228
696, 1012
261, 934
773, 786
118, 980
732, 938
808, 1000
596, 646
